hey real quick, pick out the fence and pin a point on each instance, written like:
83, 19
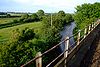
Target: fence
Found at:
69, 50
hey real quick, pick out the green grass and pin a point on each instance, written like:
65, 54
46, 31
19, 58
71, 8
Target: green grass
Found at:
16, 14
7, 20
5, 33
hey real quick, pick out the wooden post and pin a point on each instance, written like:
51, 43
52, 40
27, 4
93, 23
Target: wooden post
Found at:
96, 24
85, 32
66, 48
92, 26
89, 30
39, 60
78, 38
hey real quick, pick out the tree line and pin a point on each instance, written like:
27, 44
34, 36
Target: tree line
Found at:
86, 14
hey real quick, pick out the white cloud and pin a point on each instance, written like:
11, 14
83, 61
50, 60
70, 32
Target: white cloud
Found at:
55, 3
23, 1
51, 4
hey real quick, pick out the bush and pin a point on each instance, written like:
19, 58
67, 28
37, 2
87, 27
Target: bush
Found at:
18, 50
86, 14
15, 21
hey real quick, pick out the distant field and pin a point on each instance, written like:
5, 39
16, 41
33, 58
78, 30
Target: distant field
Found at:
7, 20
5, 33
16, 14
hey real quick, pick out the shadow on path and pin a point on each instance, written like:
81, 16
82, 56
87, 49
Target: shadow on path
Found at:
92, 57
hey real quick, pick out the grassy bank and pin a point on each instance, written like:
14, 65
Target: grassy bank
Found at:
5, 33
7, 20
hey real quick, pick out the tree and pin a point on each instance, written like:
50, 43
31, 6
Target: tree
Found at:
3, 13
40, 13
18, 50
8, 15
34, 17
15, 21
25, 16
24, 35
68, 18
86, 14
61, 13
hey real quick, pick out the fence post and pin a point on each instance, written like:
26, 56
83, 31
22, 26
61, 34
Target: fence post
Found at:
85, 32
89, 29
78, 38
39, 60
92, 26
66, 48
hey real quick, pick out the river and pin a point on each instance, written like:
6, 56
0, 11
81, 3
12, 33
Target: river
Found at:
67, 31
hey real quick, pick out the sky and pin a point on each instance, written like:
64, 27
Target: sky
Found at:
47, 5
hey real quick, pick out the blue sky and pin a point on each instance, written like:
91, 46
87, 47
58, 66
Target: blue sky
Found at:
47, 5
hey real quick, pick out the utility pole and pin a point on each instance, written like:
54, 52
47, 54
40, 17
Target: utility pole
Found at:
51, 19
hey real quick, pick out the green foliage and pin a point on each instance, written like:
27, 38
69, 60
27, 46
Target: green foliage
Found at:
61, 13
40, 14
24, 35
24, 44
18, 50
69, 18
51, 34
25, 16
34, 17
16, 54
59, 22
8, 15
86, 14
15, 21
2, 13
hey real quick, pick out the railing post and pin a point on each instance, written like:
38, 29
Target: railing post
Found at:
92, 26
89, 30
78, 38
39, 60
66, 49
85, 32
96, 23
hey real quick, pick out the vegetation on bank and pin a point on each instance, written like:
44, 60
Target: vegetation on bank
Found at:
24, 44
86, 14
6, 33
7, 20
25, 18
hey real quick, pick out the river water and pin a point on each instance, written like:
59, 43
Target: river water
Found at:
67, 31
